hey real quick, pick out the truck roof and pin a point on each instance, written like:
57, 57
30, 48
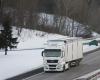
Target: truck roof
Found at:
64, 40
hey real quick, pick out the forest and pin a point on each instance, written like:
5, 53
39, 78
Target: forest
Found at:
25, 13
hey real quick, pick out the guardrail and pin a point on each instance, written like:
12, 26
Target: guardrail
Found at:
23, 49
90, 76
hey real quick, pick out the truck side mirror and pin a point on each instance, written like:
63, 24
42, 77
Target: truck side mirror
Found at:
42, 53
62, 55
65, 42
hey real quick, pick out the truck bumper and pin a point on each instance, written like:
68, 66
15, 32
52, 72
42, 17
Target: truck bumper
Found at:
59, 67
53, 69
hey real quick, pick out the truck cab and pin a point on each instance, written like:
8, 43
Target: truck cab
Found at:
54, 56
53, 60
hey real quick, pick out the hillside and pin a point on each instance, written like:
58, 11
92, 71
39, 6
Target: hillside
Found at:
29, 39
84, 11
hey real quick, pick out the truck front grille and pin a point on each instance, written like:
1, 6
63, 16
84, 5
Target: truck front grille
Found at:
52, 61
52, 65
52, 68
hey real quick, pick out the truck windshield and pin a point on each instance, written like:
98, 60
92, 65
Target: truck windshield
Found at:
52, 53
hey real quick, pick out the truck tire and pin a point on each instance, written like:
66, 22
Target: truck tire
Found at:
64, 68
73, 63
46, 71
69, 65
77, 63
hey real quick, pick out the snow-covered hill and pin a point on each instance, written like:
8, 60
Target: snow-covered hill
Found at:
33, 39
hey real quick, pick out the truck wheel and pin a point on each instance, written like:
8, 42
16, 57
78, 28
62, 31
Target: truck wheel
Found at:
73, 64
46, 71
77, 63
69, 65
63, 68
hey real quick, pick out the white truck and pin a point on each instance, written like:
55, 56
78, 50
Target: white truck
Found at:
61, 54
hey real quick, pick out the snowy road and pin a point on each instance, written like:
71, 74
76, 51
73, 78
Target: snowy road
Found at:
90, 63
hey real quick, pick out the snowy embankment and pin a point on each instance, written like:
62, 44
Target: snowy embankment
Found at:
18, 62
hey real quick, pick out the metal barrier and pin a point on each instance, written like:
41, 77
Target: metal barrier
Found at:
91, 76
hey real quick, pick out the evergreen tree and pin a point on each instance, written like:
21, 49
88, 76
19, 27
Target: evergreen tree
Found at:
1, 41
6, 35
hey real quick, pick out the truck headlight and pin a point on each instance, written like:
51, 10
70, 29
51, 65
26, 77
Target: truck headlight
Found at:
46, 66
59, 66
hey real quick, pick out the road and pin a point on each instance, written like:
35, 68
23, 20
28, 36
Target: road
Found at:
90, 63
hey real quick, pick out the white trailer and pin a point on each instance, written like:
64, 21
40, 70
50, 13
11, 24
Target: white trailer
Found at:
61, 54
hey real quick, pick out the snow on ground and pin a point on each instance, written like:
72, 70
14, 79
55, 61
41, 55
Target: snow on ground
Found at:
37, 42
87, 48
35, 39
18, 62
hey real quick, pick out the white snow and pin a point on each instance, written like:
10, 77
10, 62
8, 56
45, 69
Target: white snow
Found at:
18, 62
87, 48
